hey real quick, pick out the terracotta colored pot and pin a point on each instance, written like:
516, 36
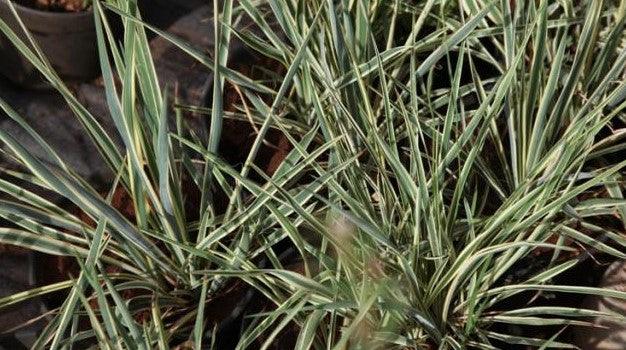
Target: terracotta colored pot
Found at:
67, 39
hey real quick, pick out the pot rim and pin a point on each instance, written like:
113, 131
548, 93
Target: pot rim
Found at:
35, 12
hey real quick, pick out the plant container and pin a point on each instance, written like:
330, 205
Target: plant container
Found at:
67, 39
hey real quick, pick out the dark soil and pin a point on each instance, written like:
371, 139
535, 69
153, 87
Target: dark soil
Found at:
54, 5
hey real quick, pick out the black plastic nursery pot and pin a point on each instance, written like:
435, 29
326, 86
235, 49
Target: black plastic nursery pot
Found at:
67, 39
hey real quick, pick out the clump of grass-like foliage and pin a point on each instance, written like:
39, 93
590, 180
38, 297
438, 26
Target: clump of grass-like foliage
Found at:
435, 148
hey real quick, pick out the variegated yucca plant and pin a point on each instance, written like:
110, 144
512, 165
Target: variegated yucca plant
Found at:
435, 148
